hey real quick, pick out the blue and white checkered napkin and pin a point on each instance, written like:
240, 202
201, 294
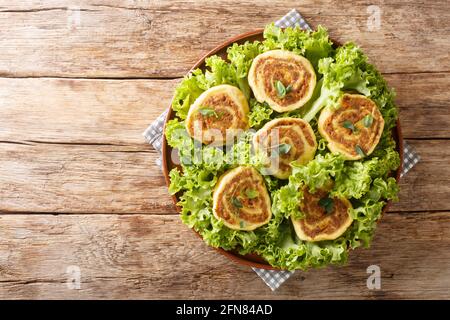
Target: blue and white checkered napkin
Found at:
154, 133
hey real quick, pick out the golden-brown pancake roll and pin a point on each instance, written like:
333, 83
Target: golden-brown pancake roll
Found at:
283, 141
241, 199
219, 111
354, 129
325, 218
283, 79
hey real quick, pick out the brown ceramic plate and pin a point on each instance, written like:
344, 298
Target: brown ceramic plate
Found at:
251, 260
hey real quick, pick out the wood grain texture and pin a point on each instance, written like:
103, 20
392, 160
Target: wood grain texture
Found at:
158, 257
65, 178
80, 178
427, 185
424, 104
81, 111
80, 187
117, 111
164, 38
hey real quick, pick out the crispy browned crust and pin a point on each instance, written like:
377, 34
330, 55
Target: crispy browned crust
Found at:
297, 133
234, 184
353, 108
319, 225
291, 70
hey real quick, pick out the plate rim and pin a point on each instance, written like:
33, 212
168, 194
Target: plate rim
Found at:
238, 258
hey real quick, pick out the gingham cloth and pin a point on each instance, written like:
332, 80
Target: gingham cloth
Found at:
153, 135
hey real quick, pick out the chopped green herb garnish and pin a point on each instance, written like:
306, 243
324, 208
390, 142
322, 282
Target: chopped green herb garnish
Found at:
360, 151
251, 193
278, 149
327, 203
281, 89
242, 224
236, 202
367, 121
284, 148
349, 125
208, 112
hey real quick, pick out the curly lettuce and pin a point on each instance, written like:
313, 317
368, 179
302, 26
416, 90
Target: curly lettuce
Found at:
367, 183
313, 45
218, 71
259, 113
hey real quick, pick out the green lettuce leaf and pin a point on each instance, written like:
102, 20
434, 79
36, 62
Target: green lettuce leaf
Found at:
367, 183
241, 57
218, 71
346, 71
314, 45
259, 114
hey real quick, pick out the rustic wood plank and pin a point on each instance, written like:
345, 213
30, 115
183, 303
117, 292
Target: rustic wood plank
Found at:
117, 111
158, 257
427, 185
81, 111
125, 179
74, 146
163, 39
423, 100
74, 178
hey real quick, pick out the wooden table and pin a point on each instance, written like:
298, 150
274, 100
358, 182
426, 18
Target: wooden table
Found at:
82, 197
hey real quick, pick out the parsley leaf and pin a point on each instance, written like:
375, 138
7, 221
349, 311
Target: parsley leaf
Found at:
236, 202
360, 151
327, 203
284, 148
281, 89
349, 125
280, 149
208, 112
251, 193
367, 121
